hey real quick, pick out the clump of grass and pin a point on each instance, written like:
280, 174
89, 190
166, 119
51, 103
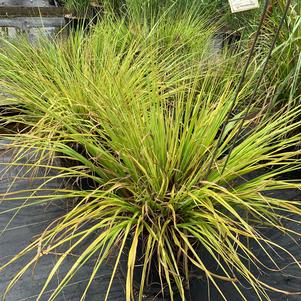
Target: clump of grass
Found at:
141, 118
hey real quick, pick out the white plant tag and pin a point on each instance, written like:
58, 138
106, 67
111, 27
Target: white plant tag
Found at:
242, 5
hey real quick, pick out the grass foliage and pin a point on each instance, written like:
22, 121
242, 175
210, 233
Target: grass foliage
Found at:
287, 55
78, 7
138, 110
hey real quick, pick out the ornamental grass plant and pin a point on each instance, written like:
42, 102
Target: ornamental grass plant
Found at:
145, 122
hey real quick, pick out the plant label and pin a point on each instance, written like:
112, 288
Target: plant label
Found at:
242, 5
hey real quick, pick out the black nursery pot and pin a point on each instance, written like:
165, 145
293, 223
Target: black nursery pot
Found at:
231, 40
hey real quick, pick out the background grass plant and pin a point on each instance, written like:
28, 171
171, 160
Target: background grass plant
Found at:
286, 59
79, 8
